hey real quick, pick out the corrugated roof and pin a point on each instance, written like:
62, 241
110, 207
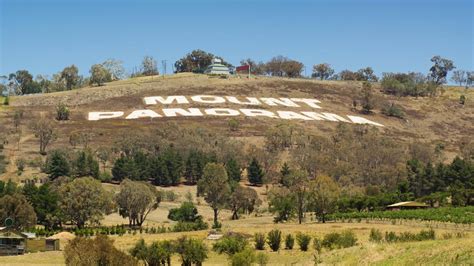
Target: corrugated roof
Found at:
408, 204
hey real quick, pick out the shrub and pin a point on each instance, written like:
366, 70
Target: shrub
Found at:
375, 235
62, 112
192, 251
233, 124
230, 245
426, 235
274, 239
190, 226
259, 241
339, 240
170, 196
20, 164
187, 212
243, 258
105, 177
318, 244
347, 239
289, 241
462, 99
390, 237
6, 101
391, 109
261, 259
303, 241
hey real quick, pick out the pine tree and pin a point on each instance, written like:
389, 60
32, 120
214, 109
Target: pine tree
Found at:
284, 172
57, 165
233, 170
255, 173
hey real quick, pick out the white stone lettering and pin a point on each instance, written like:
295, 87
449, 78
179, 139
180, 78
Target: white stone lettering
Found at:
250, 100
142, 113
168, 100
208, 99
222, 112
326, 116
172, 112
94, 116
258, 112
282, 101
310, 102
362, 120
292, 115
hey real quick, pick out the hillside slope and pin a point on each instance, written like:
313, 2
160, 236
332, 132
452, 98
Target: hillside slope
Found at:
438, 120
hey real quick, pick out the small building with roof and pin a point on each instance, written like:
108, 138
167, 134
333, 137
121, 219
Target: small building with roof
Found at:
406, 205
217, 68
13, 242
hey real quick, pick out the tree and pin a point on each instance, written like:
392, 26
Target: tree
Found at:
96, 251
194, 166
367, 74
43, 130
85, 164
17, 207
367, 98
45, 202
157, 254
292, 68
62, 112
323, 194
136, 200
114, 68
469, 78
440, 69
459, 76
233, 170
274, 67
192, 251
21, 82
187, 212
84, 200
255, 173
57, 164
322, 71
70, 74
99, 75
285, 172
243, 199
214, 185
281, 202
197, 61
103, 154
298, 182
149, 67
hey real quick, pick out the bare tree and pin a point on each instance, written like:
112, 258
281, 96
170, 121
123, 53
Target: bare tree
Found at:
44, 131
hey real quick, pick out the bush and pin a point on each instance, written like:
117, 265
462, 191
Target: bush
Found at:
303, 241
274, 239
318, 244
190, 226
230, 245
105, 177
243, 258
6, 101
170, 196
391, 109
187, 212
375, 235
261, 259
390, 237
289, 241
339, 240
233, 124
259, 241
62, 112
20, 164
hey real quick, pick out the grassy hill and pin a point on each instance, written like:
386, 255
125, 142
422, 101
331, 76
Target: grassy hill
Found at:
431, 120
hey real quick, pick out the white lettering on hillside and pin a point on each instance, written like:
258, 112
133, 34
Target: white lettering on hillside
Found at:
211, 99
94, 116
172, 112
169, 100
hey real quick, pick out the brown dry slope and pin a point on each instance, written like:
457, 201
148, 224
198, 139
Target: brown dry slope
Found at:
434, 120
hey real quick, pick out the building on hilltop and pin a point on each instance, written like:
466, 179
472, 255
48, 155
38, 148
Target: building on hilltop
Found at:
217, 68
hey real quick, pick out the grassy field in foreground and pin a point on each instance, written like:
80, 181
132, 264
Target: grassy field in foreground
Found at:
439, 252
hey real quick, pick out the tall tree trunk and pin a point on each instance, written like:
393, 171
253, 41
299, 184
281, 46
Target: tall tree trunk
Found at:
215, 217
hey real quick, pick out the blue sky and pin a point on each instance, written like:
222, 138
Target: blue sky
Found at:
44, 36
